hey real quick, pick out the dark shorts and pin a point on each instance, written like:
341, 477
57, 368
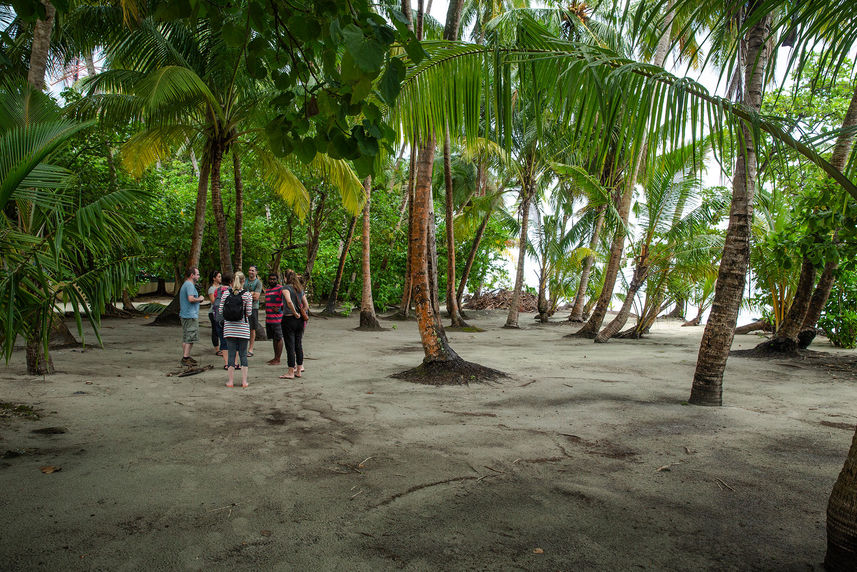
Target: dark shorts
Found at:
274, 331
254, 319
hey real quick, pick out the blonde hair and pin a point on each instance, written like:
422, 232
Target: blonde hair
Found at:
238, 282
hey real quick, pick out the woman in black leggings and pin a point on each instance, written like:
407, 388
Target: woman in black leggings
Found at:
294, 321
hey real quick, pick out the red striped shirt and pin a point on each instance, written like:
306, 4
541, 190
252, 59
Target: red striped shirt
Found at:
274, 305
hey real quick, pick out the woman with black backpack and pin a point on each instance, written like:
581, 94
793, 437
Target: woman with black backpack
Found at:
236, 306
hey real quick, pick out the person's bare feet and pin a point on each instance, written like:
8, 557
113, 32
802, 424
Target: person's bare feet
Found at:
229, 384
273, 362
244, 385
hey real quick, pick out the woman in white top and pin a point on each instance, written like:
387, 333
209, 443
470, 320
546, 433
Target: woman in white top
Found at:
237, 332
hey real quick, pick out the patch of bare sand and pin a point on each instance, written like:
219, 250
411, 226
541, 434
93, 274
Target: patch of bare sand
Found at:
586, 458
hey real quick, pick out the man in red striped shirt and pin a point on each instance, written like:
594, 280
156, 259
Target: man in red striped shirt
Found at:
274, 316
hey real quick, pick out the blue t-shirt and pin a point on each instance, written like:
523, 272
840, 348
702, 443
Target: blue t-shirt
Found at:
188, 309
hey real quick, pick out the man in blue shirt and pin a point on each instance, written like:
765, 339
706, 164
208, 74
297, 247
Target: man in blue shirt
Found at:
189, 300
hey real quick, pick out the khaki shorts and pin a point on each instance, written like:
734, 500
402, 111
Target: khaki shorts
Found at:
190, 330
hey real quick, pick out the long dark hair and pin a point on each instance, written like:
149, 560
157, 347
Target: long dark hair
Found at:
293, 280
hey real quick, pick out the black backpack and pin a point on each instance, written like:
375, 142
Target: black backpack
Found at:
233, 306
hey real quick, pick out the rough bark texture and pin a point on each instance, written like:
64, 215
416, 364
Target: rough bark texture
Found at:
368, 319
785, 340
217, 207
38, 362
330, 309
579, 299
611, 329
512, 318
842, 517
820, 295
432, 334
41, 46
239, 209
313, 240
719, 331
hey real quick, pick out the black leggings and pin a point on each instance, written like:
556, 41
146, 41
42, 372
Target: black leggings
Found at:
293, 333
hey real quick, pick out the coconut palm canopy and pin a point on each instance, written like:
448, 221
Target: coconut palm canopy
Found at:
224, 134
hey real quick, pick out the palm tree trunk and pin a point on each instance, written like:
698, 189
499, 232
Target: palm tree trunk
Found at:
217, 207
433, 270
407, 289
512, 318
451, 299
38, 362
368, 319
785, 339
313, 239
841, 553
239, 209
611, 329
330, 309
41, 46
820, 295
432, 334
577, 310
841, 152
614, 262
471, 258
170, 314
719, 331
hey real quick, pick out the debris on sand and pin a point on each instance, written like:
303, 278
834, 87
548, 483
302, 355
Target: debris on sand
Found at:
500, 299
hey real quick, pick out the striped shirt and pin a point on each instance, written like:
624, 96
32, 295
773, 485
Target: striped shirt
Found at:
274, 305
240, 329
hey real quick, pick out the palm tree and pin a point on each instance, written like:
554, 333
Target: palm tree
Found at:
56, 247
368, 319
193, 91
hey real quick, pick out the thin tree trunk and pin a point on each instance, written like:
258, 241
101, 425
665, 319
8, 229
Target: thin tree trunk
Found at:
41, 46
313, 239
577, 310
719, 331
611, 329
471, 258
678, 311
170, 314
330, 309
432, 261
368, 319
785, 339
239, 209
451, 299
514, 310
217, 207
614, 262
433, 337
407, 289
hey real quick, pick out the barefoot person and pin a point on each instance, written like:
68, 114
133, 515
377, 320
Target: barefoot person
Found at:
221, 290
294, 319
236, 306
216, 328
254, 286
189, 300
274, 316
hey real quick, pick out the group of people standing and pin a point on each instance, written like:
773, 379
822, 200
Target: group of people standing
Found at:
234, 317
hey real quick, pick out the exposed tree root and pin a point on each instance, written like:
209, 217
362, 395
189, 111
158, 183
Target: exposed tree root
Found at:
452, 372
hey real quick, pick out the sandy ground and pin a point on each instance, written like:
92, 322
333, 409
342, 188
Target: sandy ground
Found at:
586, 458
